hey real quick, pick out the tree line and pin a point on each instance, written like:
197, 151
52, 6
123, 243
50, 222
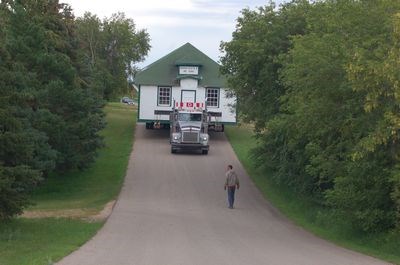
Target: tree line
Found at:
56, 73
320, 81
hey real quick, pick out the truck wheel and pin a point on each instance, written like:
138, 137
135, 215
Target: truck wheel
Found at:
204, 152
173, 151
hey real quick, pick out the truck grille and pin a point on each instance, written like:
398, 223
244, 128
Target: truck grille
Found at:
190, 137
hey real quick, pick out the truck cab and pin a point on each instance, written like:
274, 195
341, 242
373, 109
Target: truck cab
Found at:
189, 130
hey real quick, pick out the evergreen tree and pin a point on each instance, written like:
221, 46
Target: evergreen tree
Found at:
24, 151
45, 44
54, 73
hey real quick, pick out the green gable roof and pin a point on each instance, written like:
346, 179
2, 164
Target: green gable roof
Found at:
165, 71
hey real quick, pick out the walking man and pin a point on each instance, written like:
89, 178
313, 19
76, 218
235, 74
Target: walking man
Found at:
231, 183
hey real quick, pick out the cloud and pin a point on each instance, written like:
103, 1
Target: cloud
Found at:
194, 18
156, 12
204, 23
164, 21
105, 8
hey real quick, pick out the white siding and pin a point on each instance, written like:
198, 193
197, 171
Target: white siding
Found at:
227, 106
148, 101
189, 83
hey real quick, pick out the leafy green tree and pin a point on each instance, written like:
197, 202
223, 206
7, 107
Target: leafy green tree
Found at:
373, 71
94, 72
325, 101
329, 112
391, 66
110, 50
251, 58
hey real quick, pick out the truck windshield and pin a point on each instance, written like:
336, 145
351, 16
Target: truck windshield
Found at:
189, 117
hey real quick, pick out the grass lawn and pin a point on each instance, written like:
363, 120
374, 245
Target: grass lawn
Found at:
94, 187
305, 212
46, 240
42, 241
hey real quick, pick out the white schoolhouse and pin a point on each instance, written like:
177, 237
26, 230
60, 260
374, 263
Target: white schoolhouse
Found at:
185, 77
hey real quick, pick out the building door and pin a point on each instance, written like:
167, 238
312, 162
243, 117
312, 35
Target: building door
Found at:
188, 96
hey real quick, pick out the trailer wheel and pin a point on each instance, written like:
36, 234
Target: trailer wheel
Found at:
204, 152
149, 125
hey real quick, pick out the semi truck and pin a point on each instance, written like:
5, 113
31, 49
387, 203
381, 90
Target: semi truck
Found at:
189, 130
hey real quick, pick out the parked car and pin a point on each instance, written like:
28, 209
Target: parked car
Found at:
130, 102
125, 99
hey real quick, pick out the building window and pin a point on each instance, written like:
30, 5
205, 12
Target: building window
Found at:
212, 95
164, 96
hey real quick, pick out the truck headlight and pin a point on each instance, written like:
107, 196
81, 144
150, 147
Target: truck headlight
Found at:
176, 137
204, 138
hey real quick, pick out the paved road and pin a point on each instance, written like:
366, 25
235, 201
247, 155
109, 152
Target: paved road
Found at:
172, 211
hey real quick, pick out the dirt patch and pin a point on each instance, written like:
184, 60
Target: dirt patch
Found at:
103, 214
89, 215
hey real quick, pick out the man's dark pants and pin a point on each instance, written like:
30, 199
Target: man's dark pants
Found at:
231, 196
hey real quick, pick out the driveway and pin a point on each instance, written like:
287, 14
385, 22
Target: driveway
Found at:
172, 210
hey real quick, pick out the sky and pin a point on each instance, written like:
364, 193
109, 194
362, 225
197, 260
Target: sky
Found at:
172, 23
